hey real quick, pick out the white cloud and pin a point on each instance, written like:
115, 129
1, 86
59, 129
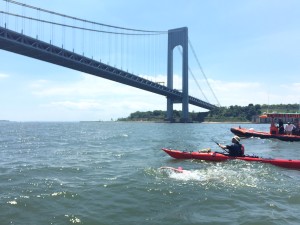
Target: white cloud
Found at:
234, 86
104, 109
292, 87
229, 93
87, 86
3, 76
237, 93
288, 93
244, 93
38, 84
94, 98
80, 105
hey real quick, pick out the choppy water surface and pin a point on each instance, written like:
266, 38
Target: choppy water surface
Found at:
108, 173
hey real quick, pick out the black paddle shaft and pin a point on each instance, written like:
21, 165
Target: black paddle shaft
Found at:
219, 145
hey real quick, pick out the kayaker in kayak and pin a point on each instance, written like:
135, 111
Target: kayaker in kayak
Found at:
235, 149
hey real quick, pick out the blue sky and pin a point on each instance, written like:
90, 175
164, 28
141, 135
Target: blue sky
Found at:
249, 50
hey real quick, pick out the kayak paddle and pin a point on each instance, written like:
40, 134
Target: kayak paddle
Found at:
219, 145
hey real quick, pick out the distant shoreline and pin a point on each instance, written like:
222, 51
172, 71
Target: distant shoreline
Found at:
149, 121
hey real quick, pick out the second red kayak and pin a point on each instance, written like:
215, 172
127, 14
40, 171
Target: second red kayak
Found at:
219, 157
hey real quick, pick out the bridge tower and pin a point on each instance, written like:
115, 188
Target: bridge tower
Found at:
178, 37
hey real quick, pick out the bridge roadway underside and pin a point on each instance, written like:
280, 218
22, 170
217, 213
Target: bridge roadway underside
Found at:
24, 45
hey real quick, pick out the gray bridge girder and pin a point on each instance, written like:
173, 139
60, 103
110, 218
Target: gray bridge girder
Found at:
24, 45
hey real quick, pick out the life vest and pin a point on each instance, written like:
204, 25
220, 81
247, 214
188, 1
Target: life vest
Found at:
236, 150
273, 129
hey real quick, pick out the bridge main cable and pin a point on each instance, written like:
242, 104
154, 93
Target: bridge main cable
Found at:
76, 27
75, 18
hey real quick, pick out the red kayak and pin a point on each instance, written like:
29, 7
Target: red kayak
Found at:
243, 132
219, 157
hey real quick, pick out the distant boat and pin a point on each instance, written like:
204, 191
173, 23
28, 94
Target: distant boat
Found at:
276, 132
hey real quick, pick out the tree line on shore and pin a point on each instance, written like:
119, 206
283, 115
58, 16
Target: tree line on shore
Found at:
220, 114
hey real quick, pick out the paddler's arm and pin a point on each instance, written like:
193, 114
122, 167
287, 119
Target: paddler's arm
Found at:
222, 146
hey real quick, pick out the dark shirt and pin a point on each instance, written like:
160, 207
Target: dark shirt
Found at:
235, 149
280, 127
281, 130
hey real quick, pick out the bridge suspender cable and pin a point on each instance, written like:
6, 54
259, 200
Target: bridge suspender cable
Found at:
194, 53
191, 72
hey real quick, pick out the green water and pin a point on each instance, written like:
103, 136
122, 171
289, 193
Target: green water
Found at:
108, 173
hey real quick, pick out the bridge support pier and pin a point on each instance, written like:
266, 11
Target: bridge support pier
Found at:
178, 37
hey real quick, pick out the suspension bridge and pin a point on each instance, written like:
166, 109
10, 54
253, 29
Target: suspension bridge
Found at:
129, 56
